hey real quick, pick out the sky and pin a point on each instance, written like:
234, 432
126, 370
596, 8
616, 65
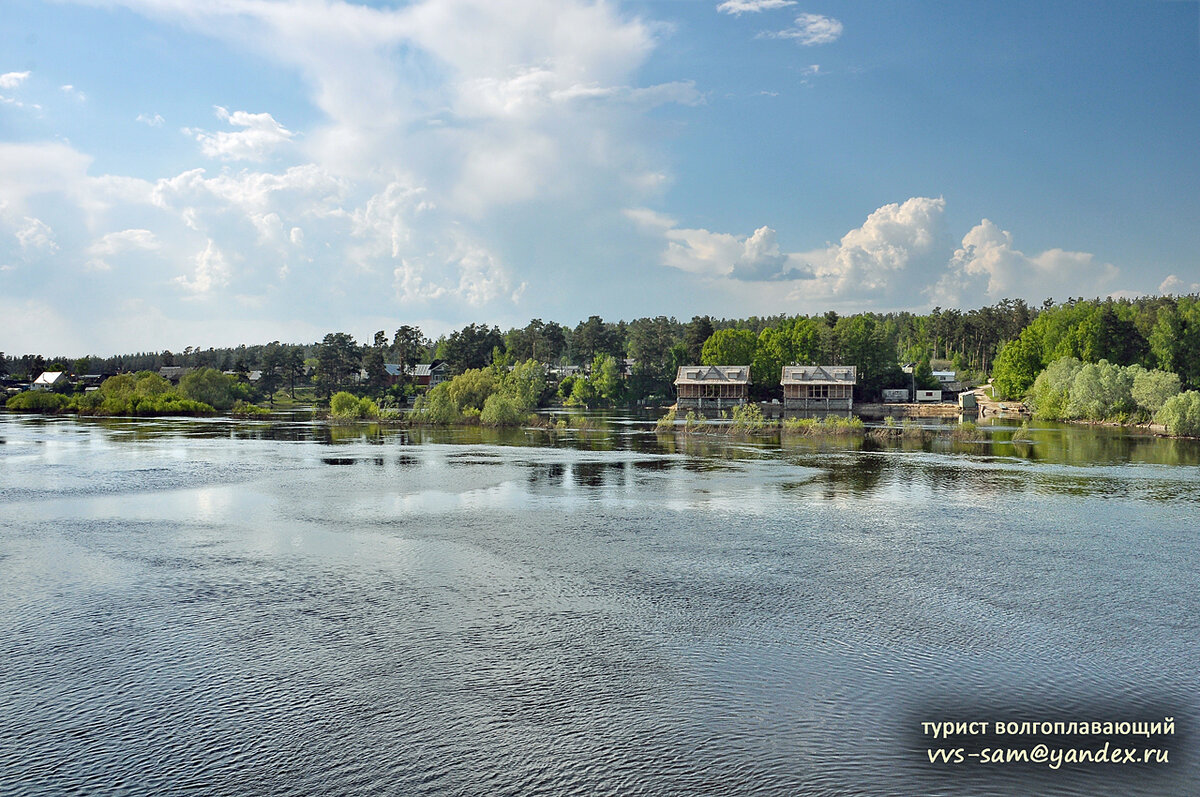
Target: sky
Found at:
177, 173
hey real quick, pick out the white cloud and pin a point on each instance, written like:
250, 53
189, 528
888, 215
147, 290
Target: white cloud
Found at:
457, 86
36, 236
810, 29
155, 120
738, 7
261, 136
10, 80
481, 277
871, 258
260, 199
36, 169
13, 80
212, 272
117, 243
1173, 285
988, 260
886, 260
755, 258
71, 91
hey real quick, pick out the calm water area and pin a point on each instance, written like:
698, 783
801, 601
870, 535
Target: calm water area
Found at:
289, 608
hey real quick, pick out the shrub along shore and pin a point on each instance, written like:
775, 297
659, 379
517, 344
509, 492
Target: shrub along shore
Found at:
205, 391
1067, 390
1075, 391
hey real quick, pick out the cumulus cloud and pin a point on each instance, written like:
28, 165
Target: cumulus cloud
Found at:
118, 243
10, 80
13, 80
480, 277
987, 259
754, 258
150, 120
1173, 285
738, 7
212, 271
544, 86
259, 138
36, 236
71, 91
871, 257
887, 259
809, 29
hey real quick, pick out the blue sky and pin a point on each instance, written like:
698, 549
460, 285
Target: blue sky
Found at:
176, 173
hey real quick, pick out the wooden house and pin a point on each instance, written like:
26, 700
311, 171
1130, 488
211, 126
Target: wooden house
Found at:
428, 375
712, 386
819, 387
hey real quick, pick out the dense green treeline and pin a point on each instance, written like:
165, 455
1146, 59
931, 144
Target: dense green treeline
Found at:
630, 361
1156, 332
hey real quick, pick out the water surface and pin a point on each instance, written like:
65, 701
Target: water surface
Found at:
289, 608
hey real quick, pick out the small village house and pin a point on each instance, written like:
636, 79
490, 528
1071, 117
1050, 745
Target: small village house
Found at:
48, 380
173, 373
429, 375
819, 387
712, 386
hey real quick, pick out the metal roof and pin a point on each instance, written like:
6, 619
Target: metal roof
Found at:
819, 375
713, 375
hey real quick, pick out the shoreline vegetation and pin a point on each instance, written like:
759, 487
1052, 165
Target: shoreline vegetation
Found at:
1129, 362
742, 422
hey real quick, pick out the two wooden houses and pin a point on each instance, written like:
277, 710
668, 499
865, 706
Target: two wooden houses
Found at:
805, 387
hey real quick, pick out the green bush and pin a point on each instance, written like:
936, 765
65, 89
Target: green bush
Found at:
38, 401
1181, 414
501, 409
1152, 389
470, 389
1051, 390
667, 422
242, 409
347, 406
210, 386
526, 383
1101, 391
437, 407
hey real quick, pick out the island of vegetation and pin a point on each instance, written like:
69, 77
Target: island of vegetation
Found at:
1131, 361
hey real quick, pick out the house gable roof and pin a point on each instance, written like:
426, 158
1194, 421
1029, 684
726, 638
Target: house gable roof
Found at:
713, 375
819, 375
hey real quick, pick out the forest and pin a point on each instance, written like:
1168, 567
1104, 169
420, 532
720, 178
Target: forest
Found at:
626, 362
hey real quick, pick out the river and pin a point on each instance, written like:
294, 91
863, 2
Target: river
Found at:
250, 607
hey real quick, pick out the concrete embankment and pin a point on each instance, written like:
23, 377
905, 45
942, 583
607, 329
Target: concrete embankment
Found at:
989, 407
929, 410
